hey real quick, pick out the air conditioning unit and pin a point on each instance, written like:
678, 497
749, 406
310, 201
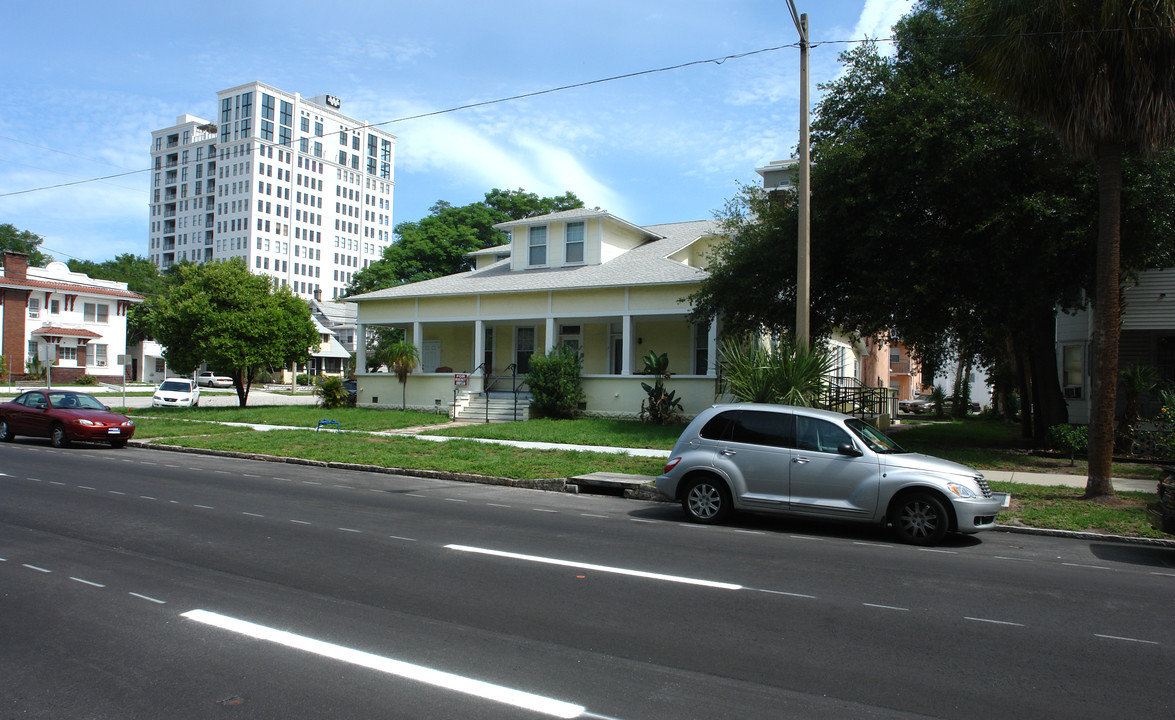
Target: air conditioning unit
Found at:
1073, 393
101, 363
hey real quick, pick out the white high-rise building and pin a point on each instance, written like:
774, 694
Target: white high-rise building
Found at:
300, 191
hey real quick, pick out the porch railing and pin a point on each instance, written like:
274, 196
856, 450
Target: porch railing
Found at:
847, 395
492, 383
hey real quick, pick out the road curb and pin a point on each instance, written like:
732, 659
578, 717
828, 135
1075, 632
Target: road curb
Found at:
563, 485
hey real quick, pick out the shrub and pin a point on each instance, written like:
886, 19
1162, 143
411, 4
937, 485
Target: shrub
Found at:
1072, 438
86, 380
331, 393
556, 385
782, 372
938, 399
662, 407
34, 370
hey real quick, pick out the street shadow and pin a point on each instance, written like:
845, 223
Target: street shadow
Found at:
1144, 555
853, 532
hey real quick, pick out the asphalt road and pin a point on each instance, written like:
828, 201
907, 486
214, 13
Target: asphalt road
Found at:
138, 583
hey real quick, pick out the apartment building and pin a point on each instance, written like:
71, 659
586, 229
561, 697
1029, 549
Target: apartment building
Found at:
300, 191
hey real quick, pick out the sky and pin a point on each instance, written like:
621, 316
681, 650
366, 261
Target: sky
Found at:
83, 85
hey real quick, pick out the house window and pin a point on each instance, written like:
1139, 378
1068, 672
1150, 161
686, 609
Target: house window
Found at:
701, 350
895, 356
537, 254
54, 307
96, 355
33, 350
1072, 370
95, 313
67, 352
573, 245
571, 336
34, 307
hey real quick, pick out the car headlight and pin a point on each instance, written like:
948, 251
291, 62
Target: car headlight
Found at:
129, 423
83, 421
961, 490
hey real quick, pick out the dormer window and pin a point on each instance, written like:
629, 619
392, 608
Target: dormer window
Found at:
537, 246
573, 244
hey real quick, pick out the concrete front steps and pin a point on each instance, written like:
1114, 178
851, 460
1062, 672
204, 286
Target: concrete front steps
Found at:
471, 408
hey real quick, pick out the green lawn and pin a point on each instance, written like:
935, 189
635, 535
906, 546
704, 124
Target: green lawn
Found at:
296, 415
584, 431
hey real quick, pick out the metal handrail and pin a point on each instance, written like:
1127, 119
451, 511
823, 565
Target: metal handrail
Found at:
850, 396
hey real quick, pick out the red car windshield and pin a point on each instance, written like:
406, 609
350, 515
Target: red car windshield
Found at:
74, 401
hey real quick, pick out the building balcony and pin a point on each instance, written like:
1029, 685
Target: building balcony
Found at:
899, 368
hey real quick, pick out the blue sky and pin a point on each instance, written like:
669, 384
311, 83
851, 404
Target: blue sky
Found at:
84, 84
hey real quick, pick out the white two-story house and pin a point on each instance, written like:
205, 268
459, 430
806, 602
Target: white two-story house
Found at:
72, 323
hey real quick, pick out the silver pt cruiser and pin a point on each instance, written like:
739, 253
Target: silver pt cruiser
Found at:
817, 464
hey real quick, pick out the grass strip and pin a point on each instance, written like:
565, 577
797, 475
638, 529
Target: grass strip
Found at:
400, 452
1062, 508
296, 416
581, 431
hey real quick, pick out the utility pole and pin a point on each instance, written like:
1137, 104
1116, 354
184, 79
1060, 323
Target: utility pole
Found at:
804, 240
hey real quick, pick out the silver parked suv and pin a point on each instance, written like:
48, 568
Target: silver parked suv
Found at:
822, 465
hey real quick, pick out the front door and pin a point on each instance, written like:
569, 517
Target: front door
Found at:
824, 482
523, 349
430, 355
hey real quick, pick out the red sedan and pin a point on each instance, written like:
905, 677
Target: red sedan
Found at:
63, 416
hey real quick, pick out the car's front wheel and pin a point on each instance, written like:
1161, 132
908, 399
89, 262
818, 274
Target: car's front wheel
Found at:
5, 432
706, 500
57, 436
920, 519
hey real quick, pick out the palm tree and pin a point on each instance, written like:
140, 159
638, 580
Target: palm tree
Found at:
401, 358
1098, 72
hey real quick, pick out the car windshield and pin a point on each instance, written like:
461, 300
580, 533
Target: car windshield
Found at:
877, 441
176, 386
75, 401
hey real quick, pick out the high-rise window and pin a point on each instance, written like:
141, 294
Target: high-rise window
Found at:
287, 114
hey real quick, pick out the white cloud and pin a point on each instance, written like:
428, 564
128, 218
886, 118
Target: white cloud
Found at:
878, 17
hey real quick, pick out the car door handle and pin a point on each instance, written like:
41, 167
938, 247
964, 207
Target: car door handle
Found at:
801, 460
727, 452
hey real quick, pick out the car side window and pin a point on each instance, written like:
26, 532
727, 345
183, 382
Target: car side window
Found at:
31, 400
757, 427
819, 435
718, 427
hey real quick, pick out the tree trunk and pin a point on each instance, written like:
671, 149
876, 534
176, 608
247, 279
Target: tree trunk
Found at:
1022, 375
1048, 401
1106, 322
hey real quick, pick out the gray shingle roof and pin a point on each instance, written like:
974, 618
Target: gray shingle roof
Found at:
647, 264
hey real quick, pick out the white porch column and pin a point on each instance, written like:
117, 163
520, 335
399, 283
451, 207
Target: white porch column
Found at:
479, 340
360, 349
626, 344
552, 338
712, 348
418, 338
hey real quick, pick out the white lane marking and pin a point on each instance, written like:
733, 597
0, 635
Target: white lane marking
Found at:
1116, 637
300, 522
87, 582
886, 607
148, 497
349, 530
413, 495
1003, 557
251, 514
600, 568
591, 515
788, 594
936, 550
206, 507
144, 597
456, 500
55, 482
399, 668
222, 472
869, 544
115, 492
398, 537
34, 567
86, 487
310, 482
497, 505
248, 475
650, 522
544, 510
750, 532
1091, 567
345, 487
993, 622
1163, 574
804, 537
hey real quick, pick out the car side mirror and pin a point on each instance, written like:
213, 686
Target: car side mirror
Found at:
848, 449
42, 406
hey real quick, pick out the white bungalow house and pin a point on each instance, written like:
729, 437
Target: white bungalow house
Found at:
585, 278
1148, 338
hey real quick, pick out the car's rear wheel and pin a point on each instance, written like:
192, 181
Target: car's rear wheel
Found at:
5, 433
57, 436
706, 500
920, 519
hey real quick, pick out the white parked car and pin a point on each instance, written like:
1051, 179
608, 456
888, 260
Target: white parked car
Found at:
211, 379
176, 392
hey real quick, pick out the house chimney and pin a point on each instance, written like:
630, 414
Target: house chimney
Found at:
16, 265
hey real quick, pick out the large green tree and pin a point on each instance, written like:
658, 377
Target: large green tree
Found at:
24, 241
237, 322
438, 244
939, 216
1099, 73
